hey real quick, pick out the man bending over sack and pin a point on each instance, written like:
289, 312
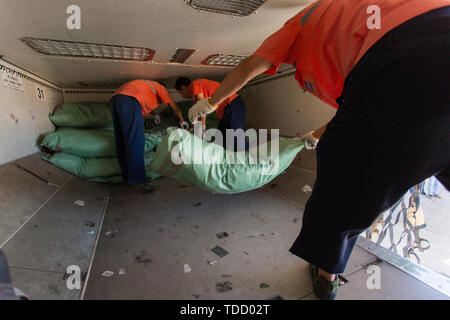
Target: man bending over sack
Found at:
231, 111
129, 105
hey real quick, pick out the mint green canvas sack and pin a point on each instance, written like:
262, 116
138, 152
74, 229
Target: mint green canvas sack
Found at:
182, 155
105, 170
82, 114
90, 143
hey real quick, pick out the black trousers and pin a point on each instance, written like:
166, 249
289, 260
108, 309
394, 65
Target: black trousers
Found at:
233, 118
391, 132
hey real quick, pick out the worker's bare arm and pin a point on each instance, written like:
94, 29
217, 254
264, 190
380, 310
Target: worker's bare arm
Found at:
236, 79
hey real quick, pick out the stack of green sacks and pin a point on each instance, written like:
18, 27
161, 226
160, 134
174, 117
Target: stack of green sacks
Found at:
84, 142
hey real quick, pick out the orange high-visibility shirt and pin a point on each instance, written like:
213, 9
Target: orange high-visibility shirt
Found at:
328, 38
208, 87
150, 94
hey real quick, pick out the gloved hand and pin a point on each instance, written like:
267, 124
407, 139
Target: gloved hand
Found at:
184, 125
309, 139
198, 129
201, 108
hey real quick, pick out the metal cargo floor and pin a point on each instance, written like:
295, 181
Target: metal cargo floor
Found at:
152, 236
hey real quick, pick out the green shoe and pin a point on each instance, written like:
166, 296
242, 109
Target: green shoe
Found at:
324, 289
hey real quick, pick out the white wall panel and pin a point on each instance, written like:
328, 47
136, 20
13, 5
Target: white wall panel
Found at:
282, 104
23, 116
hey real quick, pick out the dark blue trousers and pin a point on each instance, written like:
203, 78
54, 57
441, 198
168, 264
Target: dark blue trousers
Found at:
233, 118
129, 135
391, 132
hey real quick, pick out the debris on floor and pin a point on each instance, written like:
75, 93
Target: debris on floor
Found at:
221, 252
79, 203
222, 287
89, 224
198, 204
108, 233
222, 235
108, 274
122, 271
211, 262
187, 268
295, 220
67, 275
307, 189
264, 285
142, 257
91, 232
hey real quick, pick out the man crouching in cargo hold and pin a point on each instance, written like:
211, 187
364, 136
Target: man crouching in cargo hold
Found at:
129, 105
231, 111
381, 80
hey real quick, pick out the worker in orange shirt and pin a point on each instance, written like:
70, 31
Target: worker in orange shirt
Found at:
130, 104
385, 65
231, 111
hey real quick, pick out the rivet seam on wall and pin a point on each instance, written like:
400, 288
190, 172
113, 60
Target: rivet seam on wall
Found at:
283, 76
89, 91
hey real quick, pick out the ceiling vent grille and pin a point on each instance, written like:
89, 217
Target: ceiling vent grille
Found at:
223, 60
88, 50
239, 8
181, 55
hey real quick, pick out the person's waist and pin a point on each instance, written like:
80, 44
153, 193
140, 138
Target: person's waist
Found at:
434, 22
229, 100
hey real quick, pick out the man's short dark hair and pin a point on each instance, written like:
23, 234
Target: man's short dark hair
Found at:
182, 81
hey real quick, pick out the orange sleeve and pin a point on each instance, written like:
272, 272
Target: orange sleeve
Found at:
277, 48
197, 88
164, 95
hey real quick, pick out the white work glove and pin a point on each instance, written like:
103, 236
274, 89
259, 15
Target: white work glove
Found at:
184, 125
201, 108
157, 119
309, 139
